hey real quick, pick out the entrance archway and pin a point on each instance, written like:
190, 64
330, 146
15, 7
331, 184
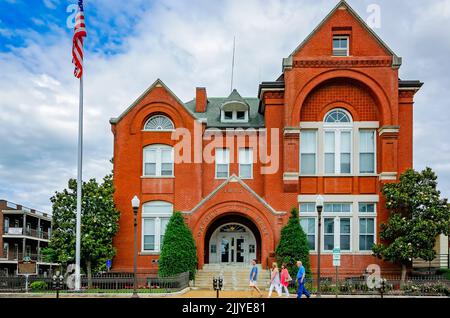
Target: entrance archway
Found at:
232, 238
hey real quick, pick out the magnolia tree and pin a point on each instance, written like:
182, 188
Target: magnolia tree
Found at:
418, 216
99, 224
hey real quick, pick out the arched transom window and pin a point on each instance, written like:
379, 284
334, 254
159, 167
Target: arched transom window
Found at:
159, 122
337, 116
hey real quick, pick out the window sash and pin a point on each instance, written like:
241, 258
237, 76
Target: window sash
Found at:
366, 233
158, 161
222, 160
345, 234
338, 151
246, 163
341, 46
367, 151
364, 207
307, 207
308, 151
337, 207
309, 227
328, 234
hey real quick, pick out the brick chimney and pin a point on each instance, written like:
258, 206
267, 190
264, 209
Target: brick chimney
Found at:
201, 100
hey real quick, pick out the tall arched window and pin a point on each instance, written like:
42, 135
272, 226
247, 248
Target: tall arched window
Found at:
158, 161
155, 217
338, 142
159, 122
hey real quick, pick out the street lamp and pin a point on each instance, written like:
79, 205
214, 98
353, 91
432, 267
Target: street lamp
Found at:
319, 207
135, 203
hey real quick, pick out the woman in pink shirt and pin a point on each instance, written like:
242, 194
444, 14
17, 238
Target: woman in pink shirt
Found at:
285, 279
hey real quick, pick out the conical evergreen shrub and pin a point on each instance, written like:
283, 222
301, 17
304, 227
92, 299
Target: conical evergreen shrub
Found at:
293, 246
178, 252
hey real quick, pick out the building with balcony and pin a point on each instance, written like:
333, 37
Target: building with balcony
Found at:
23, 234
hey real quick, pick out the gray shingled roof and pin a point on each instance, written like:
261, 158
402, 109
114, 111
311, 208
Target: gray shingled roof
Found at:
212, 114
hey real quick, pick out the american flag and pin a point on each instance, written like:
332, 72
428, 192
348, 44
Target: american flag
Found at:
77, 45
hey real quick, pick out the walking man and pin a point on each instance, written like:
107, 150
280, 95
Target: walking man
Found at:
301, 281
253, 278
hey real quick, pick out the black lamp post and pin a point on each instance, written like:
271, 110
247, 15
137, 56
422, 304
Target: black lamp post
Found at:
135, 203
319, 207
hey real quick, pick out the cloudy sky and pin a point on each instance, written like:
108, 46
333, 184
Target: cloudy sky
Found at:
186, 44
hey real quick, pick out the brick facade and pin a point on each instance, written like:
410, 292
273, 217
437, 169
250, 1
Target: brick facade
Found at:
365, 84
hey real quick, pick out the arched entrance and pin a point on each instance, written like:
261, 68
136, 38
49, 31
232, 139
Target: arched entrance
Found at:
232, 239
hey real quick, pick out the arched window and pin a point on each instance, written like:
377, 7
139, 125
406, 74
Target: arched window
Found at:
158, 161
338, 142
155, 217
159, 122
338, 116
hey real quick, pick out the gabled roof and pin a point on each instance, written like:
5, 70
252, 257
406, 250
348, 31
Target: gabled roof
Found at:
397, 61
157, 83
234, 178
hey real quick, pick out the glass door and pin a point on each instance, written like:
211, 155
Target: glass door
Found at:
225, 250
240, 250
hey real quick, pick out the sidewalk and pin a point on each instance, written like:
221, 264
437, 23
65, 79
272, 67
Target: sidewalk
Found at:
187, 293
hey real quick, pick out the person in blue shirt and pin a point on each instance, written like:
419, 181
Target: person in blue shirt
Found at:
301, 281
253, 278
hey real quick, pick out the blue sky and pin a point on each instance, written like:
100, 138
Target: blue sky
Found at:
186, 44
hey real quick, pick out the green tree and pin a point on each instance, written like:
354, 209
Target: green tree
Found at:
99, 224
417, 216
293, 246
178, 252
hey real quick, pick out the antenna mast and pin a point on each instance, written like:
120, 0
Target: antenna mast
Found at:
232, 63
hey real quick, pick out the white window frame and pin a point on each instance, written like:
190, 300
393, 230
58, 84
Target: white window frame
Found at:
346, 50
250, 151
316, 133
159, 130
315, 231
234, 118
374, 218
156, 216
338, 129
374, 151
158, 148
227, 150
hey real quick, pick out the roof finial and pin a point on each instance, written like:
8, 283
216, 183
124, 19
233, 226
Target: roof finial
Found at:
232, 63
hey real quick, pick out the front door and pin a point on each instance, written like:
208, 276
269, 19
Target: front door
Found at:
232, 249
225, 250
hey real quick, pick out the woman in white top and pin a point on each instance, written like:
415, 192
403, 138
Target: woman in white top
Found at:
275, 280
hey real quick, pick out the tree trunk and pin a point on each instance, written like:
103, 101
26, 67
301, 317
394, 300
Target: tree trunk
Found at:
89, 274
403, 279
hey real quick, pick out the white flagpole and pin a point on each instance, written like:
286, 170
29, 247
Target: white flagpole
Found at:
79, 184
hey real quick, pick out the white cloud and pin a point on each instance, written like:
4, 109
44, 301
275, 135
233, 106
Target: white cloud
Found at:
186, 44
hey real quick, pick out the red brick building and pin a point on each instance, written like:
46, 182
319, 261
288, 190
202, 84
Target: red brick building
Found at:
337, 122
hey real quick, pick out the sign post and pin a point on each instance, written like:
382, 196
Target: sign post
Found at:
26, 267
337, 263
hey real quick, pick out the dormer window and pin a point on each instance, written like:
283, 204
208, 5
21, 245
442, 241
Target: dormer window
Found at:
234, 116
228, 115
341, 46
234, 109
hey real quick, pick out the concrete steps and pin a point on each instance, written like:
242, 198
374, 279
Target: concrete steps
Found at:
235, 276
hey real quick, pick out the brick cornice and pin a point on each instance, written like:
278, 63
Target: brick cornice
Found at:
344, 63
